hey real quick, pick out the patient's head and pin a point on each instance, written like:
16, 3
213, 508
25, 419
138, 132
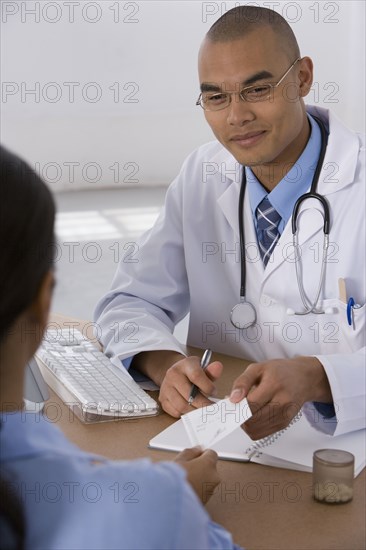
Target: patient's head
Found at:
27, 213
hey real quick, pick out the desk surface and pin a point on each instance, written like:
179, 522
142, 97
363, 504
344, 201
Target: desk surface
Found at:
264, 508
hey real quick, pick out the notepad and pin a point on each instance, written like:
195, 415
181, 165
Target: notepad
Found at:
292, 448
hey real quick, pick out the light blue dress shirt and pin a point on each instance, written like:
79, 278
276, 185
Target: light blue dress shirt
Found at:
77, 500
295, 183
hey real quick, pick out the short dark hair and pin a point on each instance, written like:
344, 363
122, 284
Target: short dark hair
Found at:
27, 215
240, 21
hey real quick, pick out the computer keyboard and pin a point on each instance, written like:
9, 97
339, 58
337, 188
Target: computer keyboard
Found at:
87, 381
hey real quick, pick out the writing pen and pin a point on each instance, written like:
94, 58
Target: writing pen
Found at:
205, 361
351, 305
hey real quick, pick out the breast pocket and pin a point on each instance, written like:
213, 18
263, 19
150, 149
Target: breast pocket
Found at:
334, 333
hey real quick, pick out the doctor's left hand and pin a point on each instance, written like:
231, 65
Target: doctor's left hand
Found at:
277, 389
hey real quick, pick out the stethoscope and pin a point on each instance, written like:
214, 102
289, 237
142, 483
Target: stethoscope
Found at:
244, 315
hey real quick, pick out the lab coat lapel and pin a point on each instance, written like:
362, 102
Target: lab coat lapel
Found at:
310, 222
228, 203
230, 172
340, 161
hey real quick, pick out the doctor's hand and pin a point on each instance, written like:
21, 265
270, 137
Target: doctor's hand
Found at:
177, 384
175, 374
277, 389
201, 468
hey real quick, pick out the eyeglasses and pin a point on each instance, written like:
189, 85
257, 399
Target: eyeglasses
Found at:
215, 101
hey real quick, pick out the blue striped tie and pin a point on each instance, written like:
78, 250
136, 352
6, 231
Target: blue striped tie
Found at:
267, 228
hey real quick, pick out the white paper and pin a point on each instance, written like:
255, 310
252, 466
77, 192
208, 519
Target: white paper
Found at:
208, 425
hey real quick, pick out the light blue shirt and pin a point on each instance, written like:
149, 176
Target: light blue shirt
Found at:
77, 500
295, 183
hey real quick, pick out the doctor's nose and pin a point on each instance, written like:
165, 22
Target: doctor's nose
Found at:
239, 111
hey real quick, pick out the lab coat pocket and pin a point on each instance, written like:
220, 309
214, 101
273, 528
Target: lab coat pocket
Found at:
335, 333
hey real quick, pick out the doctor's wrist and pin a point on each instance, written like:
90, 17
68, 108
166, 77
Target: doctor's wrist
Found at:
319, 388
155, 364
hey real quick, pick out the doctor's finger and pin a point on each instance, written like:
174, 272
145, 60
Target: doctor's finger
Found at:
245, 382
214, 370
174, 403
266, 421
201, 401
177, 377
203, 379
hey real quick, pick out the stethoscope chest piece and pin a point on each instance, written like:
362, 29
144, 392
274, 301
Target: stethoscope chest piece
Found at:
243, 315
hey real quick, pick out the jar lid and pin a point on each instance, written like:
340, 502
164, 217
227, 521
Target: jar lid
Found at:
334, 457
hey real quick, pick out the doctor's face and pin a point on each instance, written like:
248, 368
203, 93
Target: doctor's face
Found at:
269, 132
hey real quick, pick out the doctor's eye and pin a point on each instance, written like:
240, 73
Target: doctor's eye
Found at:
212, 100
256, 93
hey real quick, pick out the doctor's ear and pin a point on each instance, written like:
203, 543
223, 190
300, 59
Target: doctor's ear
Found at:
305, 76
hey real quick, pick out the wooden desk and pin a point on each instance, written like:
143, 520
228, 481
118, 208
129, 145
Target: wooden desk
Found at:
264, 508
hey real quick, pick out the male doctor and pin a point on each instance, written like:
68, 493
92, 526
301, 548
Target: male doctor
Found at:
253, 84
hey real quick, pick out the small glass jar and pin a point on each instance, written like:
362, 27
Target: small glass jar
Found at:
333, 472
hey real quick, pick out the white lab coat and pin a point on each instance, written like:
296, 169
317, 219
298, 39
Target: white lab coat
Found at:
190, 261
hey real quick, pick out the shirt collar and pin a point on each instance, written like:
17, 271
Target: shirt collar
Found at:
296, 182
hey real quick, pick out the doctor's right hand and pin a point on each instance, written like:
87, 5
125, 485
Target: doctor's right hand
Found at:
175, 374
177, 384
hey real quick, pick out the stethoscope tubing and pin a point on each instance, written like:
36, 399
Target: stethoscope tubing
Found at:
312, 194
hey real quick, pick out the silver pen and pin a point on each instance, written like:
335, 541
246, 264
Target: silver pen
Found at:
205, 361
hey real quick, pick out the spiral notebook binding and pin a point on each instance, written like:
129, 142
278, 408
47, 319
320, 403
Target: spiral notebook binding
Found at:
254, 450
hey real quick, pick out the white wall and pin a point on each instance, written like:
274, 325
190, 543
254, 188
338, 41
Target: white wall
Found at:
147, 52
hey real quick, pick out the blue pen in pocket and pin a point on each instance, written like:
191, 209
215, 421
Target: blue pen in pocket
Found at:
350, 307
